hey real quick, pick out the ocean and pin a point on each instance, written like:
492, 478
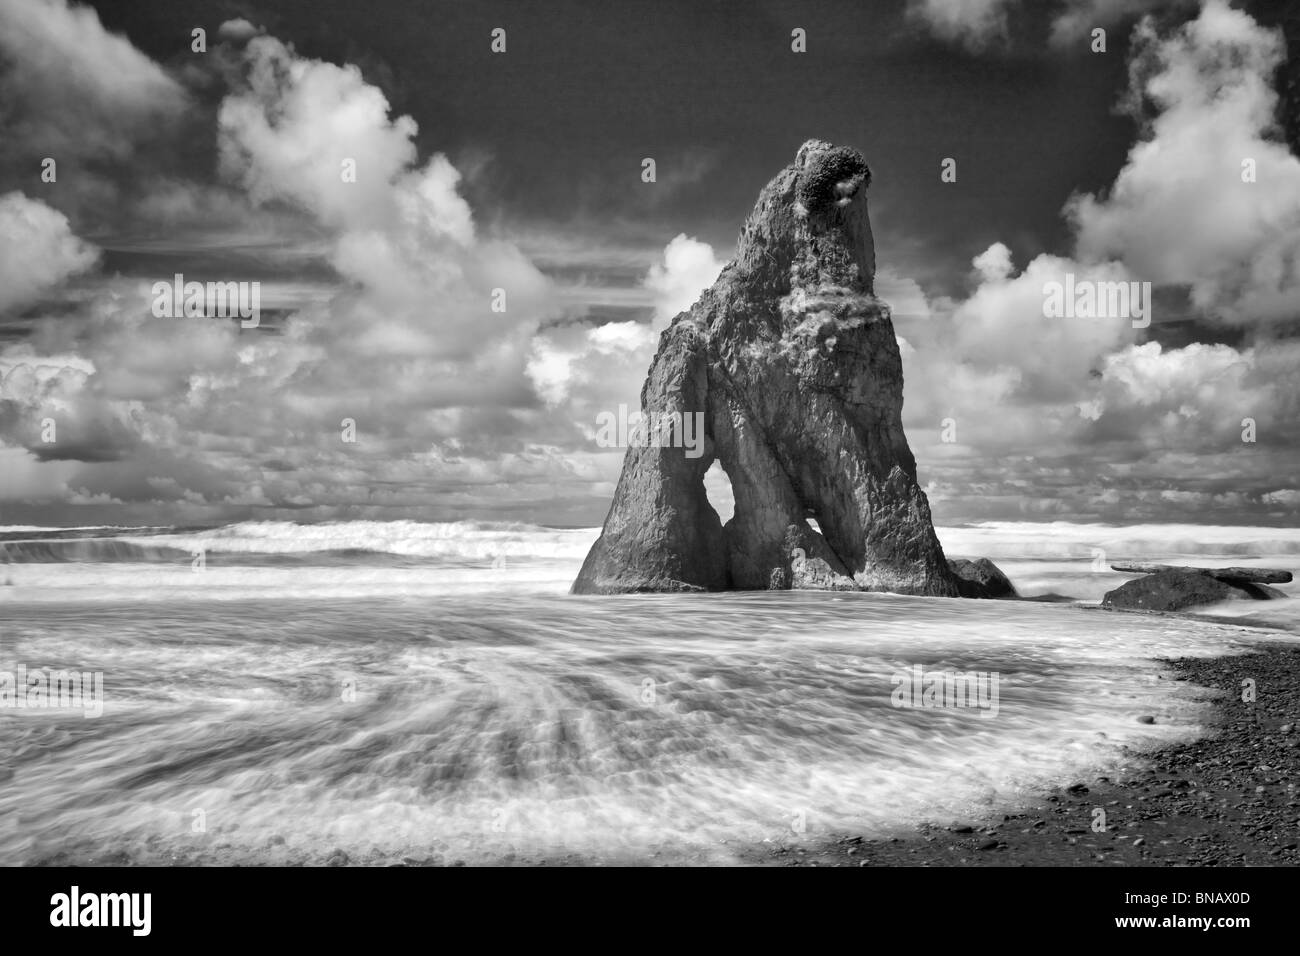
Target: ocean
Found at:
373, 692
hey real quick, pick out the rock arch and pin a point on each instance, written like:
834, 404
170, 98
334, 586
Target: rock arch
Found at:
793, 362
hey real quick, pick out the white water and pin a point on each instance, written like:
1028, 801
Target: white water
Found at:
360, 559
495, 714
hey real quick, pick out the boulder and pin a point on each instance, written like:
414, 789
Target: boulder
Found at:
791, 363
981, 579
1179, 588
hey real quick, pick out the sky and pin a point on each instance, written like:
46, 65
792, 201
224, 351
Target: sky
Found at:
521, 170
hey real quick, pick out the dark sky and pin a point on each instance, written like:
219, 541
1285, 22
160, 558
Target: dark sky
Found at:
558, 126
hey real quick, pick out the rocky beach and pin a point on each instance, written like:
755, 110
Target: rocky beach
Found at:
1228, 799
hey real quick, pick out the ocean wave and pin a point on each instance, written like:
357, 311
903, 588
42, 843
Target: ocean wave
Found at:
341, 542
1147, 542
284, 542
87, 551
467, 540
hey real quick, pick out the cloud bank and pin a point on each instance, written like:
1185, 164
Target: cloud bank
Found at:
473, 382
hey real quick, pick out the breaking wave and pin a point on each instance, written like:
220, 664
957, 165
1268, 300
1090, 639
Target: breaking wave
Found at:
1141, 542
451, 540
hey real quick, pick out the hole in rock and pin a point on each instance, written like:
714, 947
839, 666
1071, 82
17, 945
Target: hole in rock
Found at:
717, 486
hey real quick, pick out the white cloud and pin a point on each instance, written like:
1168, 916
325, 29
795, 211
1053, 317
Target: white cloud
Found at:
590, 369
688, 268
459, 407
983, 24
290, 132
1048, 407
1195, 398
601, 366
1179, 212
238, 30
403, 235
1079, 18
1286, 497
71, 88
975, 23
409, 346
994, 263
1031, 395
37, 250
903, 295
997, 347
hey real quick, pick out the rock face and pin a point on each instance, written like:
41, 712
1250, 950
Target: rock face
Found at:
981, 579
792, 363
1179, 588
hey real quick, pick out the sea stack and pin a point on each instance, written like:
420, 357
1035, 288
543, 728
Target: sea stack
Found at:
792, 362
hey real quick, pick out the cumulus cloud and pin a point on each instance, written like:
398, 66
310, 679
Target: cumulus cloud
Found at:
1001, 334
974, 23
980, 25
1179, 213
1196, 398
423, 344
1078, 18
462, 408
906, 298
47, 408
37, 250
318, 136
599, 365
1042, 409
289, 133
71, 88
238, 30
582, 370
688, 268
596, 368
994, 263
1078, 417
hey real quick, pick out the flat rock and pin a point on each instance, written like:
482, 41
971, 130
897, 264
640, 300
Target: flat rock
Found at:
1231, 575
1177, 589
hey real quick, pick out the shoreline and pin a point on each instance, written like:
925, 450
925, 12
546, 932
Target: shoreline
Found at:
1229, 798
